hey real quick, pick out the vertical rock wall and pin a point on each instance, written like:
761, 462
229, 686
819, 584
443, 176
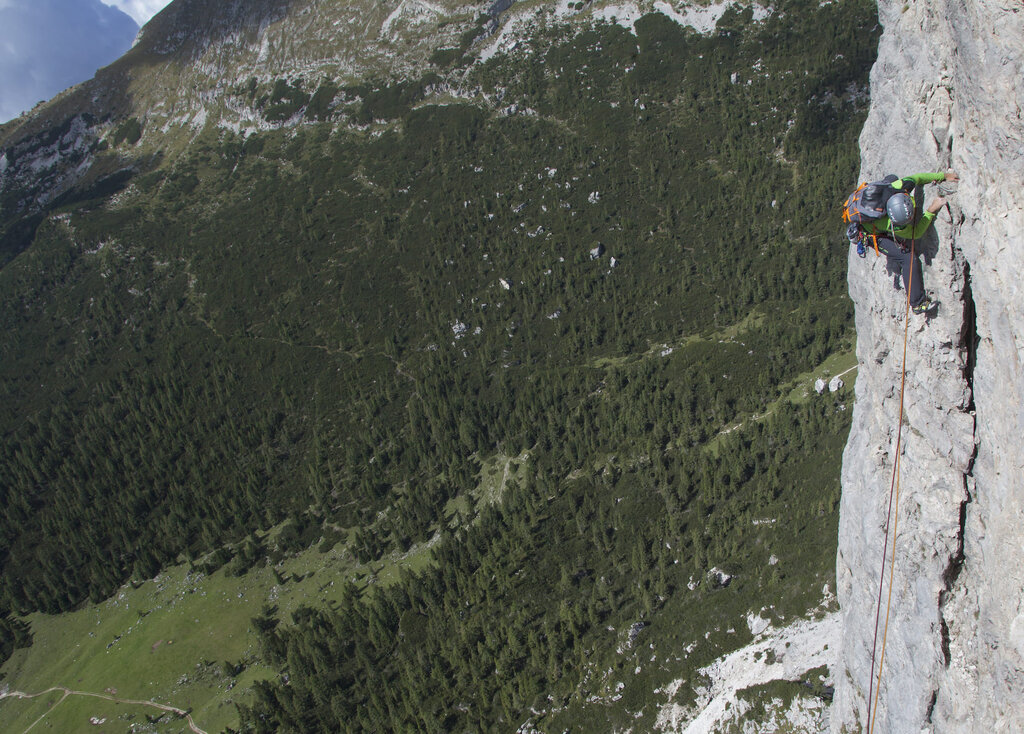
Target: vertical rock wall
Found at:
947, 92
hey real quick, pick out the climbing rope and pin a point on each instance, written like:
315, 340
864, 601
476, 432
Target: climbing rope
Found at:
894, 491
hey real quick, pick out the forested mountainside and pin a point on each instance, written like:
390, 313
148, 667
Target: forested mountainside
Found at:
601, 258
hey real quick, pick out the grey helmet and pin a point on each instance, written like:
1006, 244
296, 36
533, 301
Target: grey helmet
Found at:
900, 209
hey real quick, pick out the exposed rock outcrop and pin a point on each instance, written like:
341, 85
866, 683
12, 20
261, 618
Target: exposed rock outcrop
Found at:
947, 92
200, 63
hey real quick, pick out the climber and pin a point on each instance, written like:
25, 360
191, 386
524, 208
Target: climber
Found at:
884, 215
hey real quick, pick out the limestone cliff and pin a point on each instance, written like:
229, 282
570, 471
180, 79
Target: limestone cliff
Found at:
947, 92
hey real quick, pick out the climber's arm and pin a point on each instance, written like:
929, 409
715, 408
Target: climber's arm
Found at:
918, 179
917, 229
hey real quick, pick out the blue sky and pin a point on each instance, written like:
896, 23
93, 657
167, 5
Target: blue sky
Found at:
47, 46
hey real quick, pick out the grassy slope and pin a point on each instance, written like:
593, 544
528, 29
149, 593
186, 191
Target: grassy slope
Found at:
165, 640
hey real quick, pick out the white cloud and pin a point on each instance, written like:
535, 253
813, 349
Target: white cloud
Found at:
140, 10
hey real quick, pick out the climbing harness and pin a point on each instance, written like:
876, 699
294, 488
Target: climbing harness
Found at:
892, 513
858, 236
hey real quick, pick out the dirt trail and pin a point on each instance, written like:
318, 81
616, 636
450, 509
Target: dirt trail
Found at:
849, 370
106, 697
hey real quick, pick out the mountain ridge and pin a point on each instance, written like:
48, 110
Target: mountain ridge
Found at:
177, 81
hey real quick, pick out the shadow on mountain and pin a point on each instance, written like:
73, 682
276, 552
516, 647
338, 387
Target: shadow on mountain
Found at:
191, 26
181, 33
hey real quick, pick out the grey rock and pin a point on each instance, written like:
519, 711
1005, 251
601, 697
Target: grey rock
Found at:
947, 92
819, 386
718, 578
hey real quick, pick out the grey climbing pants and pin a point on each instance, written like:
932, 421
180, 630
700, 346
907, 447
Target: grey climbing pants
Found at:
900, 263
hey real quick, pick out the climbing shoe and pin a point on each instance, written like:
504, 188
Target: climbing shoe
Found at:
926, 305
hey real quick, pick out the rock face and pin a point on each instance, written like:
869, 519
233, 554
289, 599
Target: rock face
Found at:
947, 92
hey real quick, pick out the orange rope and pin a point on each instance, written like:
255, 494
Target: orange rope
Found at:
894, 516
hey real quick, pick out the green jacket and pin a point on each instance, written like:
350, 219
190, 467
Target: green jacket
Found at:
916, 228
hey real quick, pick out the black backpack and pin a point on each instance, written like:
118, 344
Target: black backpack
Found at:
868, 202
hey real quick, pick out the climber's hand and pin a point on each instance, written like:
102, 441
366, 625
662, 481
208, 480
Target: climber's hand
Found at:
937, 203
951, 176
